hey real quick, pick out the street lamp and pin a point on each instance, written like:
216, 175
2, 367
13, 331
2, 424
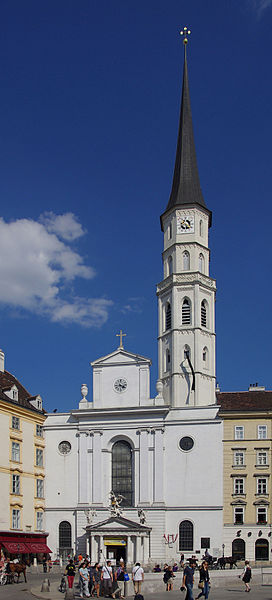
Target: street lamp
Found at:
223, 548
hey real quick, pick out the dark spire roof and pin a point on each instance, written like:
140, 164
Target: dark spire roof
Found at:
186, 185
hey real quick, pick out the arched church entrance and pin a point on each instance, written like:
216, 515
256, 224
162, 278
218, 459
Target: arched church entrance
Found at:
261, 549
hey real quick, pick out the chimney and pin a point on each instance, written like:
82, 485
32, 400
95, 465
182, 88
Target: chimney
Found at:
2, 361
255, 387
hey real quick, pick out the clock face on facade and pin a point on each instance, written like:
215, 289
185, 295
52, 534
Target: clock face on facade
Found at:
120, 385
185, 224
64, 447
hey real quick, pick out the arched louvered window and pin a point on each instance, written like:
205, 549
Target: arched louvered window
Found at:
168, 316
203, 313
122, 471
167, 359
65, 535
186, 261
186, 312
201, 263
170, 265
186, 536
201, 228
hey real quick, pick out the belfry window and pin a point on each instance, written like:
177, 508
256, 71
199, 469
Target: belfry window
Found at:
122, 471
170, 265
203, 314
186, 312
168, 316
201, 263
186, 261
201, 228
205, 356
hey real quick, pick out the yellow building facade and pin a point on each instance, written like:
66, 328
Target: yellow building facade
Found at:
247, 473
22, 468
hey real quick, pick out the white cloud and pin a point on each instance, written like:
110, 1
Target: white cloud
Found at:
260, 6
37, 270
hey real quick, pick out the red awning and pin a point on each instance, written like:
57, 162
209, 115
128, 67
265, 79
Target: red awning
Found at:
16, 547
38, 547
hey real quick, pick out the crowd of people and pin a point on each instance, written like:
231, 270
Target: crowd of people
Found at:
109, 581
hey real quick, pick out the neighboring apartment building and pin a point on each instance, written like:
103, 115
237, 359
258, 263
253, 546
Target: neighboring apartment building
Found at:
22, 469
247, 472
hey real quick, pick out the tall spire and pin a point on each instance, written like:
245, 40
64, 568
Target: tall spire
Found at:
186, 185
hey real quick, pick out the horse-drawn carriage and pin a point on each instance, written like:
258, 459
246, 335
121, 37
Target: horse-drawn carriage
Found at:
9, 572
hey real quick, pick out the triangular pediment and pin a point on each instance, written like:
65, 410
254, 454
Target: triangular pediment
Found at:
121, 357
114, 524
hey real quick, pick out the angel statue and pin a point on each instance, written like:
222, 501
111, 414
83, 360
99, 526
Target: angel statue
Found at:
115, 502
141, 515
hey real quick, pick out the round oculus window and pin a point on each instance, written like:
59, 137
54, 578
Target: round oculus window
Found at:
64, 447
186, 443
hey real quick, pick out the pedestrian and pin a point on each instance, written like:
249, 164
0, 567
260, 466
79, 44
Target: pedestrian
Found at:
246, 576
44, 564
168, 579
107, 579
204, 580
96, 579
181, 562
137, 578
70, 572
175, 567
120, 578
84, 581
188, 580
157, 569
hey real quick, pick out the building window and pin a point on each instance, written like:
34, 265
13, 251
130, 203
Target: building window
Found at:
187, 352
186, 261
203, 313
168, 316
261, 514
186, 536
65, 536
170, 265
15, 394
238, 549
186, 312
40, 488
261, 549
238, 515
239, 459
15, 423
262, 485
16, 484
201, 263
262, 432
239, 487
39, 520
170, 231
39, 430
239, 432
39, 457
262, 458
122, 471
15, 451
205, 356
16, 518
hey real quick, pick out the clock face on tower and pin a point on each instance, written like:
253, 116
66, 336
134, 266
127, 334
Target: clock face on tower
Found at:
185, 224
120, 385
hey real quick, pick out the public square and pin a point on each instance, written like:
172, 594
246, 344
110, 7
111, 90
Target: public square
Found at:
231, 587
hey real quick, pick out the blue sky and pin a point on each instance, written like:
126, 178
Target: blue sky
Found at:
89, 105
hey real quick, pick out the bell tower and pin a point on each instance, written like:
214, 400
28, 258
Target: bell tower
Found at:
186, 295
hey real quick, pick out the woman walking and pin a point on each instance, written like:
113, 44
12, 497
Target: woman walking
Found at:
246, 576
168, 579
204, 580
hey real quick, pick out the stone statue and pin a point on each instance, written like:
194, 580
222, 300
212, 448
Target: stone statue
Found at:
141, 515
115, 501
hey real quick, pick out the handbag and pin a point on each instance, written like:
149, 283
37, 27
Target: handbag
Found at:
201, 585
126, 577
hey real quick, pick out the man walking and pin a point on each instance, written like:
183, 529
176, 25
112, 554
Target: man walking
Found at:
137, 577
188, 579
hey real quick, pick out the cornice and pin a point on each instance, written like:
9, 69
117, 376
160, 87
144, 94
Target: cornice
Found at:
186, 279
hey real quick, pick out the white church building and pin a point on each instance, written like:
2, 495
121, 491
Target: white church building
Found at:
162, 456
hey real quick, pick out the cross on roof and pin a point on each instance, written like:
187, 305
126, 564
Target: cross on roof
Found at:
121, 335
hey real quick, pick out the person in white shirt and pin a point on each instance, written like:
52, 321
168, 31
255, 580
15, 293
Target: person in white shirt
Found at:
107, 579
137, 577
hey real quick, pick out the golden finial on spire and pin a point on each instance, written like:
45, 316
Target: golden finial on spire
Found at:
185, 32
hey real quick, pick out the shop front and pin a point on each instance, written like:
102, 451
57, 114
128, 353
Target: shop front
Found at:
27, 547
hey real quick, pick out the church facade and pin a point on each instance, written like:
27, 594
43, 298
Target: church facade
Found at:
136, 476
